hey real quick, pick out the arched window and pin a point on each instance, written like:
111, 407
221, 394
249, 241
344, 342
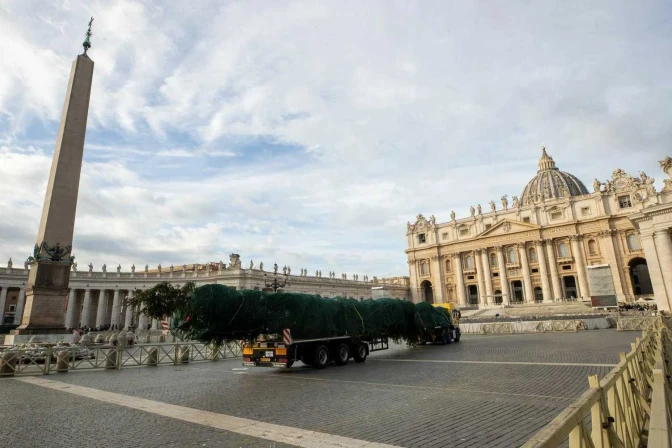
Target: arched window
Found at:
424, 269
448, 266
469, 262
513, 257
493, 260
563, 250
633, 242
533, 256
592, 247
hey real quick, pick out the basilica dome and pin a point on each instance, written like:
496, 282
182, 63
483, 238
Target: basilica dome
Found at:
551, 183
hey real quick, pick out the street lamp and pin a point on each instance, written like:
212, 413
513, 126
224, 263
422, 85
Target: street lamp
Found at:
275, 284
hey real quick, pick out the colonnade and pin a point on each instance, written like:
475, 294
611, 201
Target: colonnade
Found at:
104, 307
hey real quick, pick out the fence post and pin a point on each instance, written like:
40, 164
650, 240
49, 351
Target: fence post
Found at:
47, 360
8, 363
176, 359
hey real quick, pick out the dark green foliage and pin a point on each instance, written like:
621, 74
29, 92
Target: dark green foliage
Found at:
162, 299
216, 313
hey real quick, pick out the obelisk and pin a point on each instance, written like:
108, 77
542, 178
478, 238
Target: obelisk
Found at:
48, 282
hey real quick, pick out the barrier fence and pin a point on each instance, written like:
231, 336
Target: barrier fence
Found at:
45, 359
629, 407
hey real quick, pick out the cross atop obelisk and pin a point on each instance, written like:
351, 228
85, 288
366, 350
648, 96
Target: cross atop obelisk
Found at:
48, 283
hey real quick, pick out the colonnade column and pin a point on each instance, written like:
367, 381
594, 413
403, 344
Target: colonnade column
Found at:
664, 248
553, 265
155, 324
116, 309
102, 308
481, 278
506, 290
580, 266
459, 275
527, 279
70, 311
3, 301
487, 275
19, 306
86, 310
129, 310
438, 275
543, 270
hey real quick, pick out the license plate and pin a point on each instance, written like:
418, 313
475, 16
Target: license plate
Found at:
269, 354
265, 359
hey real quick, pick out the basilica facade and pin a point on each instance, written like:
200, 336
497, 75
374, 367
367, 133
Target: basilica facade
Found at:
556, 241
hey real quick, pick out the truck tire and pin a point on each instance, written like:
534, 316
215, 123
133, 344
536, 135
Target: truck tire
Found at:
341, 354
445, 338
321, 357
361, 352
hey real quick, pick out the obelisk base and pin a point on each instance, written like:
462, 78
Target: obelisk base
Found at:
45, 302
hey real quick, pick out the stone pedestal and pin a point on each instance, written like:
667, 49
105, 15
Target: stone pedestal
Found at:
45, 299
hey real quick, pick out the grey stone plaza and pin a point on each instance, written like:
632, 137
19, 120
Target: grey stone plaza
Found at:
484, 391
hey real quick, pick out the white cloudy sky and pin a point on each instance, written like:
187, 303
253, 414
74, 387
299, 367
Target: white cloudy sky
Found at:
308, 133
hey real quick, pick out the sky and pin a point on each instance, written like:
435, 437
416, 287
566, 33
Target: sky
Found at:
308, 133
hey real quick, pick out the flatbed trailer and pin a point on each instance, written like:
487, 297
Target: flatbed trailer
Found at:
318, 353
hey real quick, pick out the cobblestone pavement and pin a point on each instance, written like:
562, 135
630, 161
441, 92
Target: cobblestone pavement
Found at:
430, 396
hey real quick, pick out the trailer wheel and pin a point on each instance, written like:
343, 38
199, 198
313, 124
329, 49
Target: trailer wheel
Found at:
445, 338
341, 354
321, 357
361, 352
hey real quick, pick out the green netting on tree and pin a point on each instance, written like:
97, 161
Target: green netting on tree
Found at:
429, 317
216, 313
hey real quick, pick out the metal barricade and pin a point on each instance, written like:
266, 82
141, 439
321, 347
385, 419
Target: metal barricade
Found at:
43, 360
630, 407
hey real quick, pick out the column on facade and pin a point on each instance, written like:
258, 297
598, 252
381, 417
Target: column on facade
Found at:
142, 321
481, 277
415, 281
438, 279
580, 266
459, 277
660, 289
543, 270
527, 279
116, 309
607, 243
3, 301
553, 266
664, 248
155, 324
70, 312
21, 304
129, 311
102, 308
487, 276
86, 310
506, 290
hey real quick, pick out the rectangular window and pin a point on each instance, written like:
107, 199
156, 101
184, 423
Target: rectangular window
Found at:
495, 274
624, 202
464, 231
12, 308
487, 226
421, 238
444, 235
470, 277
556, 215
585, 211
526, 219
567, 267
535, 271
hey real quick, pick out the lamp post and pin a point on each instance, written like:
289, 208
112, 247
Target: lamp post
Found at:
275, 284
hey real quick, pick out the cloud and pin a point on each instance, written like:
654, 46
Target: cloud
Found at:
309, 133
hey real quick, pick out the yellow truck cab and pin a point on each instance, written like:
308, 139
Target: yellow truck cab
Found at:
454, 312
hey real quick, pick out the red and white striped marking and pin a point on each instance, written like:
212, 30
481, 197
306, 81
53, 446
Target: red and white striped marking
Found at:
287, 336
165, 326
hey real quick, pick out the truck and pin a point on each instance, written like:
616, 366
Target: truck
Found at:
441, 334
273, 351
